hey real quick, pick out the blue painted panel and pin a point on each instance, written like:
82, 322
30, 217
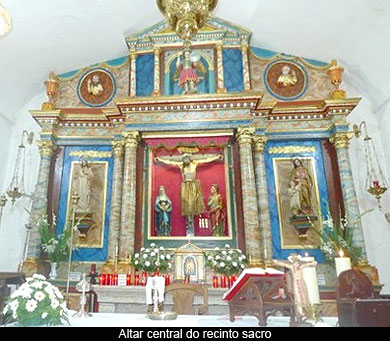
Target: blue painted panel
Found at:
145, 74
232, 69
278, 252
84, 254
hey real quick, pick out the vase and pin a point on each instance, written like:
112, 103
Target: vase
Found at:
53, 270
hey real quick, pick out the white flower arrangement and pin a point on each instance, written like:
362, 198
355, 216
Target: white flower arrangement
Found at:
36, 302
155, 258
226, 261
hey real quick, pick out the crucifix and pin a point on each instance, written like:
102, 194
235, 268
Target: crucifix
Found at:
192, 202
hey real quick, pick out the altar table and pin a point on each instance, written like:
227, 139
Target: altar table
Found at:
140, 320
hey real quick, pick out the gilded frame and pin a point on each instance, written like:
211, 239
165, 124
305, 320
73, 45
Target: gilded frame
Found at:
104, 200
148, 196
285, 243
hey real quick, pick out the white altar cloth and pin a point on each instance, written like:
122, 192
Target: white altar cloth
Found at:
140, 320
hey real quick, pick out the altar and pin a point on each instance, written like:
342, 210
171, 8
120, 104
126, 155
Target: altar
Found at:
155, 168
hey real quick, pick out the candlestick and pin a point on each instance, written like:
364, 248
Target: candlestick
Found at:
342, 263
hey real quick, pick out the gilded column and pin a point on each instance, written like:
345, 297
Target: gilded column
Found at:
157, 91
126, 236
39, 205
116, 200
245, 67
133, 74
341, 143
220, 75
262, 198
251, 215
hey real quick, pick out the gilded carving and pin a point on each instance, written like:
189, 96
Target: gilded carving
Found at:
46, 148
117, 147
245, 135
341, 140
131, 138
90, 154
292, 149
259, 143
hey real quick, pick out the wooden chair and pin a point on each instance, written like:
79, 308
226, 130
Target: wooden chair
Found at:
183, 298
357, 303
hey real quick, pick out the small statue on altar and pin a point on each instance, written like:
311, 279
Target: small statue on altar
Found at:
192, 202
216, 207
84, 187
186, 72
302, 185
163, 208
287, 78
293, 192
94, 87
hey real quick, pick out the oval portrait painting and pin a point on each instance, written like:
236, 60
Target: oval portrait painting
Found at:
285, 80
96, 88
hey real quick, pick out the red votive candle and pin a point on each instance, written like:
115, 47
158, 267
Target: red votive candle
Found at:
101, 279
144, 278
115, 279
128, 279
136, 280
223, 281
215, 282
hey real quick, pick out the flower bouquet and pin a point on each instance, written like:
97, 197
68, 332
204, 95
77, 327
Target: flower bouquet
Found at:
55, 246
153, 259
226, 261
336, 236
36, 302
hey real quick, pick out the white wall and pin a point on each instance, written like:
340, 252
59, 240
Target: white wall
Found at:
375, 226
12, 231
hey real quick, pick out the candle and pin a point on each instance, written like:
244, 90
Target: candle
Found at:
128, 279
309, 275
136, 280
223, 281
342, 263
215, 282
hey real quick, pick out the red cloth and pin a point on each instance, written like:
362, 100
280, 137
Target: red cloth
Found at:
170, 177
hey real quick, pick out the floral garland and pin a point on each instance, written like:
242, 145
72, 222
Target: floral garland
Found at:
152, 259
36, 302
226, 261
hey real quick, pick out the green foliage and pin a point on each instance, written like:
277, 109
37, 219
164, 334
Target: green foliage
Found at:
152, 259
36, 302
336, 236
226, 261
55, 246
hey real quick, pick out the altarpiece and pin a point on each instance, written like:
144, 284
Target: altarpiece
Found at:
260, 146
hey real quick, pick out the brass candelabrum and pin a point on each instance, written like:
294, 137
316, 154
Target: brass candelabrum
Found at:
186, 17
376, 183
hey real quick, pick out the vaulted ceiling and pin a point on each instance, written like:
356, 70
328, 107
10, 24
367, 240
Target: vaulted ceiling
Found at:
60, 36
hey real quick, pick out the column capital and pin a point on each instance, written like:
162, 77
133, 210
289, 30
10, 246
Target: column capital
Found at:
157, 50
133, 55
131, 138
259, 143
219, 46
244, 47
117, 147
245, 135
341, 140
46, 147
